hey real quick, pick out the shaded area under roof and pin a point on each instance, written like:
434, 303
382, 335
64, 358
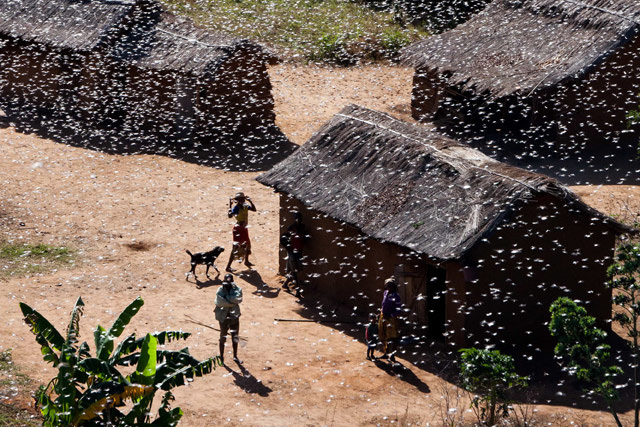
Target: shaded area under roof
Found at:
526, 45
406, 184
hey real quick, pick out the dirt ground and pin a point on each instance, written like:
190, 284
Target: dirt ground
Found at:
131, 219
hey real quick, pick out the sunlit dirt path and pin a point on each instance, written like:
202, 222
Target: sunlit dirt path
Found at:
295, 373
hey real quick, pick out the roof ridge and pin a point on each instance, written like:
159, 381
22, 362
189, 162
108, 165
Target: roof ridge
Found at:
121, 2
192, 40
471, 165
601, 9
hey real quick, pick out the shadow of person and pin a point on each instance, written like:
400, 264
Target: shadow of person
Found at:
262, 289
403, 373
247, 382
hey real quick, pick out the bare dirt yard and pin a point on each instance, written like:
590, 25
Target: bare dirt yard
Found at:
130, 218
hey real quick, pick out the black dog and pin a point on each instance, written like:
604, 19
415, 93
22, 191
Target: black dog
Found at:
206, 258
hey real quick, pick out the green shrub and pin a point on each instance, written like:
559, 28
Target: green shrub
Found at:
331, 48
624, 280
582, 351
392, 40
489, 374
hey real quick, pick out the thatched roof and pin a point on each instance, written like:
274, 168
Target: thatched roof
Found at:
526, 45
167, 42
406, 184
73, 24
134, 31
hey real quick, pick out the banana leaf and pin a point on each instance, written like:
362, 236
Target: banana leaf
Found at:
131, 344
48, 354
73, 330
178, 358
146, 368
161, 356
84, 351
101, 370
107, 395
41, 327
46, 404
65, 386
126, 346
177, 378
104, 342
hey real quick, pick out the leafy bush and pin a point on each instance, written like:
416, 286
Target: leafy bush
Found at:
332, 48
582, 351
623, 278
88, 390
489, 374
392, 41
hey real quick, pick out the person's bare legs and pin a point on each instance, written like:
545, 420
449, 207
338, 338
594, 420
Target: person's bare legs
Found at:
235, 351
234, 248
391, 347
247, 251
222, 340
235, 337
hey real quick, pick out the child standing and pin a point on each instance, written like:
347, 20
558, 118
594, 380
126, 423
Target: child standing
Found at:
371, 336
240, 233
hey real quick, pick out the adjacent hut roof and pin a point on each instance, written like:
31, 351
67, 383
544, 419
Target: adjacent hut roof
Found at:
137, 31
73, 24
523, 45
409, 185
166, 42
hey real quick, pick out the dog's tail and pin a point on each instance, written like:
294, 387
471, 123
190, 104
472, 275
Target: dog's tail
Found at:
187, 251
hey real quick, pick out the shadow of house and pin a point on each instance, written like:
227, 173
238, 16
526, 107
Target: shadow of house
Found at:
436, 15
481, 248
539, 78
131, 70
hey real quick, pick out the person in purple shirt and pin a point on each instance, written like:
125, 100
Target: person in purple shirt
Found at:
388, 323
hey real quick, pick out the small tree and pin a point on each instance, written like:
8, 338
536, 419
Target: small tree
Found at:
623, 278
88, 390
489, 374
582, 351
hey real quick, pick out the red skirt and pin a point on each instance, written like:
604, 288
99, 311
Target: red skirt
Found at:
241, 235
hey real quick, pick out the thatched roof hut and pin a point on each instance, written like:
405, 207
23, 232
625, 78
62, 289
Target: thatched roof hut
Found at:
168, 42
559, 76
527, 45
78, 25
481, 248
408, 184
130, 64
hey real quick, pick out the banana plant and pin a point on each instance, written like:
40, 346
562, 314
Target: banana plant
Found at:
88, 390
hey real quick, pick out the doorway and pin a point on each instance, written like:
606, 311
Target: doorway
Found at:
436, 298
423, 293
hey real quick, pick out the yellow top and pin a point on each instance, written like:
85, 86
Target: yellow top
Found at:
241, 212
